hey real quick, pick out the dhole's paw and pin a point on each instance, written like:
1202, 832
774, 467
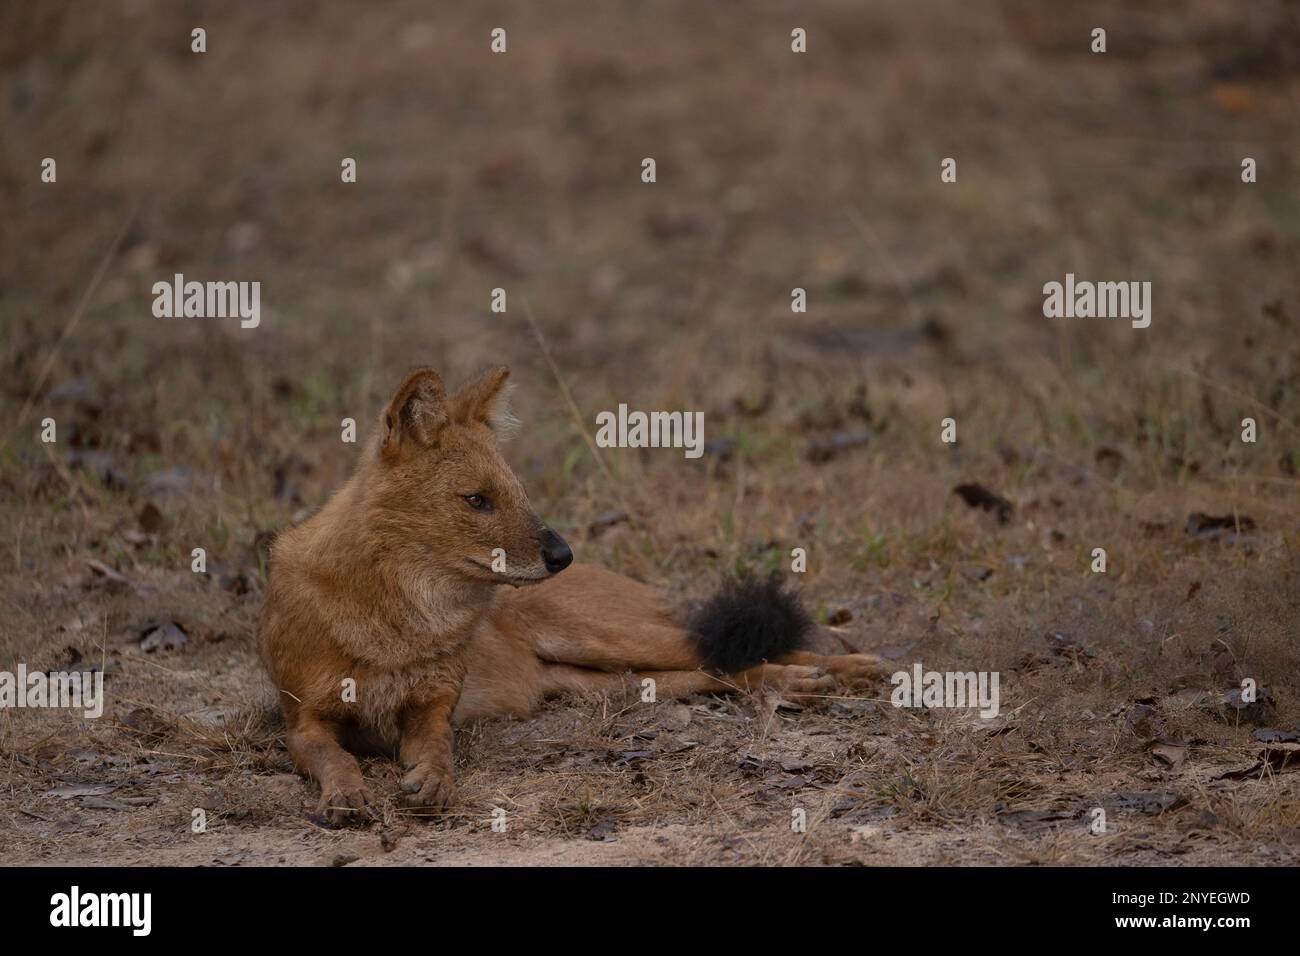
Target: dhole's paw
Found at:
345, 803
787, 678
797, 679
429, 785
856, 670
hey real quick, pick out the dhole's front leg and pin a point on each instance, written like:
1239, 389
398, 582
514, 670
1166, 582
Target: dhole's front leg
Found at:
314, 745
427, 749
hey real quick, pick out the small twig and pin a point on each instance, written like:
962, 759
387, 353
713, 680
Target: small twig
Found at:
564, 391
71, 324
878, 247
576, 415
1277, 416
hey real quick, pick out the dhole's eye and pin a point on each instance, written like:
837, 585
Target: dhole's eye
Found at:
478, 502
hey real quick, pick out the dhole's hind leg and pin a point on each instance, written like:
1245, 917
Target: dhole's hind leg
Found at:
791, 679
584, 651
590, 617
633, 630
568, 679
848, 670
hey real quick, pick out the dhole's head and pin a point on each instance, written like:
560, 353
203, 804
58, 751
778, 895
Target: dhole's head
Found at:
443, 494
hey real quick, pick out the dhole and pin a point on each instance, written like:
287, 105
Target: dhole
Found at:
391, 584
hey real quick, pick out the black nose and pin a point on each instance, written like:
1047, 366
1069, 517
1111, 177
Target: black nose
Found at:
555, 552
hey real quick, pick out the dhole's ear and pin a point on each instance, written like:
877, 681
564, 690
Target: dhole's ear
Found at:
487, 400
417, 413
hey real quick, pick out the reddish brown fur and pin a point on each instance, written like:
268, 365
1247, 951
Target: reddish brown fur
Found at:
391, 585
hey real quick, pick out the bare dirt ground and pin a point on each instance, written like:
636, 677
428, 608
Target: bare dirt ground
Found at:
775, 171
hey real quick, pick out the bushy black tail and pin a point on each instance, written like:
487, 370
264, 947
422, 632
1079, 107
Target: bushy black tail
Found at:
749, 620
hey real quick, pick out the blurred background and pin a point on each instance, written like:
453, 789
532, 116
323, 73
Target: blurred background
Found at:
775, 170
